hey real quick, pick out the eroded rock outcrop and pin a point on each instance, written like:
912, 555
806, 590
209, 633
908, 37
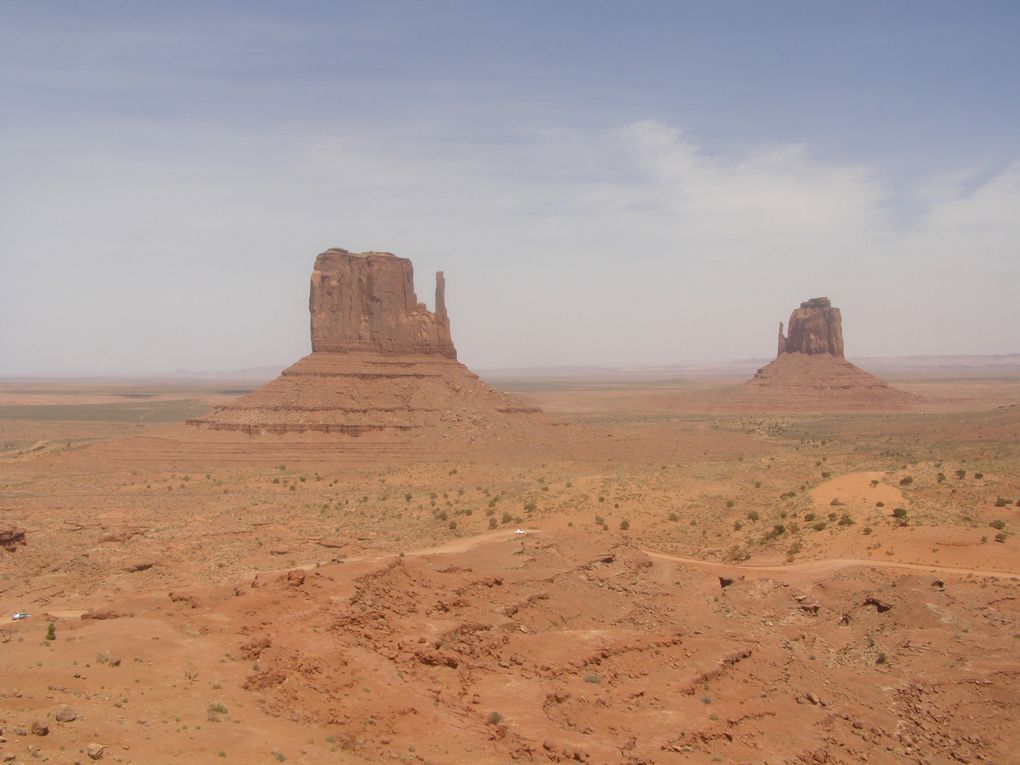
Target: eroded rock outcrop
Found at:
365, 302
810, 371
381, 364
815, 327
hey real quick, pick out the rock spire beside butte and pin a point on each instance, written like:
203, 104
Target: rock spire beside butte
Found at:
381, 364
811, 372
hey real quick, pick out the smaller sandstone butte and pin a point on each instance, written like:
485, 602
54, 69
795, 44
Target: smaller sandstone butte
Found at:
810, 371
815, 327
365, 302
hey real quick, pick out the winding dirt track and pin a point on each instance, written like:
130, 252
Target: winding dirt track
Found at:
823, 566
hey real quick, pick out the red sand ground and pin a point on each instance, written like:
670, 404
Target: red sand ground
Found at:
323, 598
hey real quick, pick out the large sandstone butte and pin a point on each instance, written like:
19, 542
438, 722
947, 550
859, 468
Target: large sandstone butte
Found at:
365, 302
811, 372
815, 327
381, 363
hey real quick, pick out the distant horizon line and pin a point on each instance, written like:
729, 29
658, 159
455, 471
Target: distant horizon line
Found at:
260, 371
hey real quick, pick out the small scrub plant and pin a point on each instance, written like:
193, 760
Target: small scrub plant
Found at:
494, 718
737, 525
961, 474
674, 517
51, 631
1001, 502
906, 480
1001, 536
753, 515
599, 520
900, 512
624, 525
998, 523
846, 520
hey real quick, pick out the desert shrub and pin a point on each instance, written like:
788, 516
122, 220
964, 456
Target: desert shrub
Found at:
675, 517
729, 504
624, 525
809, 517
998, 523
846, 520
1001, 536
599, 520
779, 529
531, 506
819, 525
826, 474
900, 512
407, 497
737, 525
452, 525
866, 530
753, 515
906, 480
507, 518
835, 502
492, 523
978, 476
602, 499
880, 504
941, 477
51, 631
594, 679
494, 718
961, 473
1001, 501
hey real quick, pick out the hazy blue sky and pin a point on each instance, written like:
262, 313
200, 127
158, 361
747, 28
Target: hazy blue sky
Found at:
603, 182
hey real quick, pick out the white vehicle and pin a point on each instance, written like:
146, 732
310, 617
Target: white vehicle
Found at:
19, 615
519, 532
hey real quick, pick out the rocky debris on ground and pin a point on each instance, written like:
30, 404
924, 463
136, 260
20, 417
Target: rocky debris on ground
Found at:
66, 714
12, 538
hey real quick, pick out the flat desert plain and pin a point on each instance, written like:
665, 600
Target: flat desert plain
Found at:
696, 581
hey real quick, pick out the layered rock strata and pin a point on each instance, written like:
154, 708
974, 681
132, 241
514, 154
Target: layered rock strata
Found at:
381, 362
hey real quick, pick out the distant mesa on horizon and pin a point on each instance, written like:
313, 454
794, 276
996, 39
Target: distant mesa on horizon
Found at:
381, 363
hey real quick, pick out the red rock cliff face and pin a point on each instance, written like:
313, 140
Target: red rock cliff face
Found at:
815, 327
366, 302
